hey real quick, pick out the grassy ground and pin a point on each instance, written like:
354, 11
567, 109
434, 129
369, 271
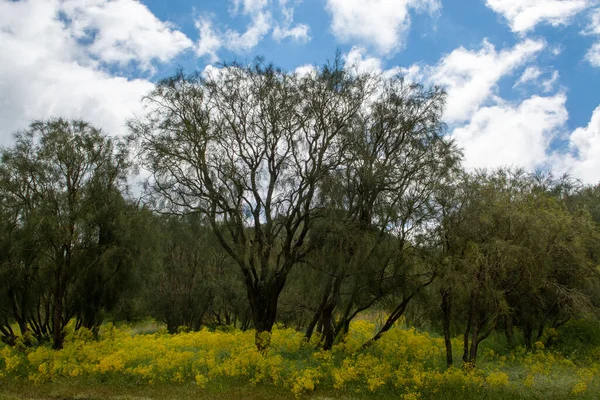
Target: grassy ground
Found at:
82, 389
129, 363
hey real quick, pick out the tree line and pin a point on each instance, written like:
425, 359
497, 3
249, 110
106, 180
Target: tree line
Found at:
275, 197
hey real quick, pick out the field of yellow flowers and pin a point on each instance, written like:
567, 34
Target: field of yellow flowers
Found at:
404, 364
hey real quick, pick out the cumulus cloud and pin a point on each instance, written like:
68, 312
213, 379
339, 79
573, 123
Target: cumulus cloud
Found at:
471, 76
381, 24
524, 15
492, 131
52, 65
507, 134
110, 32
122, 31
583, 158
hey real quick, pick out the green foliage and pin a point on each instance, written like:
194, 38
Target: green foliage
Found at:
68, 248
578, 338
517, 256
194, 284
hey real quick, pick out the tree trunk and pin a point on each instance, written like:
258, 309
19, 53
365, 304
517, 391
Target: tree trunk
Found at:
508, 331
57, 313
171, 327
475, 329
263, 299
465, 356
527, 333
19, 312
7, 334
312, 324
447, 314
59, 293
24, 328
540, 331
394, 316
319, 311
328, 330
320, 328
57, 325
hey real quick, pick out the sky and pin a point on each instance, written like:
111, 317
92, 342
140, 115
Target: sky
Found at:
522, 76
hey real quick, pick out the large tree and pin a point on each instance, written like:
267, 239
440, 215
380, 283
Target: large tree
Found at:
248, 146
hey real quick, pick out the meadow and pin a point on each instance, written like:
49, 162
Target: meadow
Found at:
145, 362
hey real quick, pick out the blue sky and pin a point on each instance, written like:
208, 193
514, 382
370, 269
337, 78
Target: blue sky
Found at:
523, 76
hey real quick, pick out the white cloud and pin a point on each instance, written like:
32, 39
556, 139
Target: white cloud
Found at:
583, 158
306, 69
524, 15
358, 60
122, 31
548, 84
264, 17
248, 6
531, 74
34, 26
471, 76
593, 54
593, 27
556, 50
378, 23
46, 71
210, 41
286, 29
508, 134
258, 28
298, 33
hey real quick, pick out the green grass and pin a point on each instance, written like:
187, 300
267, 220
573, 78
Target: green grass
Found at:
88, 389
83, 389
